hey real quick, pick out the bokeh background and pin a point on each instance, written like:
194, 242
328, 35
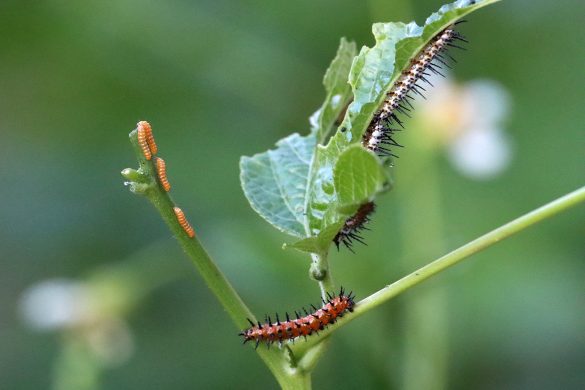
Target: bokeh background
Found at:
219, 79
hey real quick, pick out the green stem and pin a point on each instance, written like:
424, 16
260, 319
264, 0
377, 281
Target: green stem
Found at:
320, 271
542, 213
425, 349
144, 181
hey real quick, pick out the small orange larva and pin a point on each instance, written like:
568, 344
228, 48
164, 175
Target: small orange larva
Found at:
183, 221
149, 136
142, 142
162, 174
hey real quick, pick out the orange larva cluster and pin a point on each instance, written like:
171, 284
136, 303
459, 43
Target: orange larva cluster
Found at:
149, 136
183, 222
149, 149
279, 331
146, 139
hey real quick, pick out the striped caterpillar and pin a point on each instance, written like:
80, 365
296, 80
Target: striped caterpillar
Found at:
183, 222
379, 136
279, 331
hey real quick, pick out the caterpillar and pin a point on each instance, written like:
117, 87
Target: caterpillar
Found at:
162, 174
142, 141
183, 222
379, 134
149, 136
354, 225
269, 332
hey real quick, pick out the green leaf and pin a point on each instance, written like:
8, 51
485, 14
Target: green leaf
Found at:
357, 175
307, 189
338, 91
276, 182
376, 69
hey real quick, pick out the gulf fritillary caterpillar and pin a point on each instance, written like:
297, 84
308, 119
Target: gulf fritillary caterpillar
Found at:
162, 174
354, 225
183, 222
270, 332
379, 135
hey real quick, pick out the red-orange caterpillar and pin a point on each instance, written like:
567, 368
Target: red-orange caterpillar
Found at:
162, 174
270, 332
149, 136
378, 137
354, 225
183, 222
142, 141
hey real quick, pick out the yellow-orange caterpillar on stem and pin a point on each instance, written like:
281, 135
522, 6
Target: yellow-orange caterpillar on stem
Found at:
162, 174
183, 222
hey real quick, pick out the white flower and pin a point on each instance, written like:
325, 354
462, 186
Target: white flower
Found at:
74, 307
467, 120
56, 303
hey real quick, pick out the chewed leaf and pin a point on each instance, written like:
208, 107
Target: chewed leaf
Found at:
308, 189
276, 182
376, 69
338, 91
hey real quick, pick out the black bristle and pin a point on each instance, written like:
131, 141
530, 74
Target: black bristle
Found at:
456, 46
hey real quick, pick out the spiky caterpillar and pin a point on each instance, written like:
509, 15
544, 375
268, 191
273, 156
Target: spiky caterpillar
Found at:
354, 225
379, 135
270, 332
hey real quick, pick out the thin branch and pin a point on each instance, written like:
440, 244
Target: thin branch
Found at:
144, 181
542, 213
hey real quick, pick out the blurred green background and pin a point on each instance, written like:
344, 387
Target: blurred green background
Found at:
219, 79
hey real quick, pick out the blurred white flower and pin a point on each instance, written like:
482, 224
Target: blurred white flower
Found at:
480, 153
76, 308
467, 120
55, 304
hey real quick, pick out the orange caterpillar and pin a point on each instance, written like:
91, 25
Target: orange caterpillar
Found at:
162, 174
183, 221
149, 136
270, 332
141, 133
146, 139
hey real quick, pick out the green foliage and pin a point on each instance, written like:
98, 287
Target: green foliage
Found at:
307, 188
